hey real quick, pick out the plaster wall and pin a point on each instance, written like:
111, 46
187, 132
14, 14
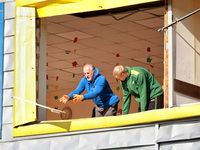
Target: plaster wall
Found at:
186, 39
82, 109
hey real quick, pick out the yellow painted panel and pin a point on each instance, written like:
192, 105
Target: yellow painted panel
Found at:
40, 3
47, 8
28, 2
24, 66
153, 116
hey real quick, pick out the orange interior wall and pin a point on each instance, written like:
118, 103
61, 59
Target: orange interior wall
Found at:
81, 109
84, 109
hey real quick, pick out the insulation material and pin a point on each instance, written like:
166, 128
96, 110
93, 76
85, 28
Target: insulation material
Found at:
1, 60
24, 66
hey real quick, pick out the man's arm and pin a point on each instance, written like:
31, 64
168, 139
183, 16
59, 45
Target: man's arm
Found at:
80, 88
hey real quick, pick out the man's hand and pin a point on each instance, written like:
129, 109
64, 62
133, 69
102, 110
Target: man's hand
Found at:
78, 98
64, 99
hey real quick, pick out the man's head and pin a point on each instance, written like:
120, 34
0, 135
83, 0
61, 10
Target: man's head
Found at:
120, 73
89, 71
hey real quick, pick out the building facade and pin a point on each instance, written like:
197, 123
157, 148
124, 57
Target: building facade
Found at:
174, 127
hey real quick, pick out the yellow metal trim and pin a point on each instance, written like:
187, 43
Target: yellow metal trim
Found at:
24, 66
47, 8
40, 3
153, 116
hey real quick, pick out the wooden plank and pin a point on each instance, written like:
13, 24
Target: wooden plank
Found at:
186, 88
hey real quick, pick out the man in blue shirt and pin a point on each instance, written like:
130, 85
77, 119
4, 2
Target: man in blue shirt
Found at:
97, 89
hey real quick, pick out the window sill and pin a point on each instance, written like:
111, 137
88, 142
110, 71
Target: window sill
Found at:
58, 126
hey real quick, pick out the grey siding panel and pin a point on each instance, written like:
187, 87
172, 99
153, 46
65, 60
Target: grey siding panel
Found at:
7, 130
7, 115
9, 62
9, 10
9, 44
8, 79
121, 138
184, 145
179, 131
9, 29
7, 100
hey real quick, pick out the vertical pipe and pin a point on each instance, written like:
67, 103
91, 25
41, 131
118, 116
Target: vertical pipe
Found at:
170, 56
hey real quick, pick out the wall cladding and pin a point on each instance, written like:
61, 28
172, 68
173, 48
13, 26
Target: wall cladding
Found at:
8, 69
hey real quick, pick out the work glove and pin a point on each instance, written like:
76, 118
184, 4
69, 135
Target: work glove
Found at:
78, 98
64, 99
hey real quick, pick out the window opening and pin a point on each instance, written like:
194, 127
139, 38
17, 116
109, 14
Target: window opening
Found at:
103, 41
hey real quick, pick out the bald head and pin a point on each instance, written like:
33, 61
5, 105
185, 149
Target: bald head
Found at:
89, 66
89, 71
118, 70
120, 73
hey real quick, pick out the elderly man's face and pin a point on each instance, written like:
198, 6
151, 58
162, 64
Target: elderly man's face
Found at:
89, 73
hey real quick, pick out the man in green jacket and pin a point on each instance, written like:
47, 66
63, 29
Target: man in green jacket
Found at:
140, 83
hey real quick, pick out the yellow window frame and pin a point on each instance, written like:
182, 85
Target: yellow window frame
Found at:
23, 88
47, 8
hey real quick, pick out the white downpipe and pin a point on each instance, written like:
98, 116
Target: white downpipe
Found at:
170, 55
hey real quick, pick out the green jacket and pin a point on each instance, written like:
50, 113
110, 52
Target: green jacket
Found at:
142, 85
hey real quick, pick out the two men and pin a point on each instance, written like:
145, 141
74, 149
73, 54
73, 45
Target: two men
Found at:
135, 81
97, 89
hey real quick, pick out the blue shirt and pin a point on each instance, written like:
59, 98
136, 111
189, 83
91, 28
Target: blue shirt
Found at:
98, 90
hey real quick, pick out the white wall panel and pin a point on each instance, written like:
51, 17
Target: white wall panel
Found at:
121, 138
9, 27
179, 131
9, 10
8, 62
7, 1
7, 100
184, 145
9, 44
9, 146
7, 115
7, 130
8, 81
